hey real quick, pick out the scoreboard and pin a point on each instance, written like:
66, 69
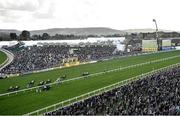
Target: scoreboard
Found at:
166, 43
149, 45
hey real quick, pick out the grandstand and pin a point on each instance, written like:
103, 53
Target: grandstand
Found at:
35, 58
103, 76
149, 45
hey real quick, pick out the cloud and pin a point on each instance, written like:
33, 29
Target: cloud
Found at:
8, 16
21, 5
46, 11
120, 14
14, 11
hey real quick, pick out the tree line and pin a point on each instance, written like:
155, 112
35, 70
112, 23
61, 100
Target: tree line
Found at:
26, 35
140, 36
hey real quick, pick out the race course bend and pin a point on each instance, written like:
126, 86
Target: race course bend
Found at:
10, 58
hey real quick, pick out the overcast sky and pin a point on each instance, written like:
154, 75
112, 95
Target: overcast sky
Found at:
117, 14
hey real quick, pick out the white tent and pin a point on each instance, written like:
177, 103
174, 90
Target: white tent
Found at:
115, 40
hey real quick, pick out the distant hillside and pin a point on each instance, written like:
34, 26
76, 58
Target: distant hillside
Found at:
68, 31
145, 30
7, 31
79, 31
82, 31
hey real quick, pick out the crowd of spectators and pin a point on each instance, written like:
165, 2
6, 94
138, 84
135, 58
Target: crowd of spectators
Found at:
94, 52
32, 58
35, 58
157, 94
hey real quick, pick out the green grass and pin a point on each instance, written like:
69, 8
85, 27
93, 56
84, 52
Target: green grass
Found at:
30, 101
3, 57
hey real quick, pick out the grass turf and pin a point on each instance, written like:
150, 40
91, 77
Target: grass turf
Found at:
29, 101
3, 57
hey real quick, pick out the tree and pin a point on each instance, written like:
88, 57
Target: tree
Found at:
13, 36
45, 36
5, 37
25, 35
36, 37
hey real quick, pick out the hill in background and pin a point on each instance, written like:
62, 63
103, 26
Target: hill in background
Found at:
80, 31
83, 31
148, 30
68, 31
90, 31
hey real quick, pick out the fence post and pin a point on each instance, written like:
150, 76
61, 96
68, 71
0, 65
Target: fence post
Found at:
69, 101
62, 104
76, 98
54, 107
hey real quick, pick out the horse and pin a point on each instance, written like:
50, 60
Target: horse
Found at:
41, 83
48, 81
30, 84
63, 77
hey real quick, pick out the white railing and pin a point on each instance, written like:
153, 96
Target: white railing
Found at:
94, 74
98, 91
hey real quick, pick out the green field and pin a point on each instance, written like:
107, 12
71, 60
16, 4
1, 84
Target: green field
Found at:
3, 57
22, 103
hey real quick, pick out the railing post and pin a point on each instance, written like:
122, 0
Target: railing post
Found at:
69, 101
54, 107
76, 98
62, 104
